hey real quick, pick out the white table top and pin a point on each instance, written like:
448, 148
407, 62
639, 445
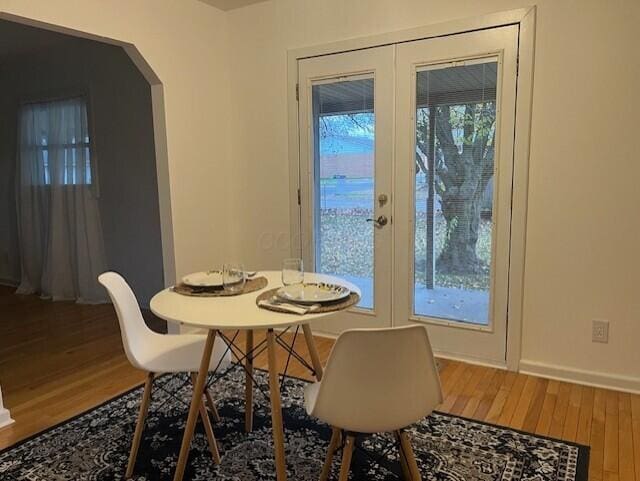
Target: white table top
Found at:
236, 312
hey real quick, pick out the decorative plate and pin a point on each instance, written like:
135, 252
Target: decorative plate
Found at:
204, 279
313, 293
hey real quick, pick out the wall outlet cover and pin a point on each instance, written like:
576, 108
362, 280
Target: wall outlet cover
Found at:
600, 331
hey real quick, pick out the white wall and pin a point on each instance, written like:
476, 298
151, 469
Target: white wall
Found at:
583, 234
122, 133
185, 44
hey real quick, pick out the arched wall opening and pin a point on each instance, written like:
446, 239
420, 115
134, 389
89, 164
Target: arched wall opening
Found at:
131, 153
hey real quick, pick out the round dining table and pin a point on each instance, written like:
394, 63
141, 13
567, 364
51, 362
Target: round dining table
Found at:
241, 313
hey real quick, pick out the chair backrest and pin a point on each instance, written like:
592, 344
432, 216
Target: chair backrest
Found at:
134, 331
379, 380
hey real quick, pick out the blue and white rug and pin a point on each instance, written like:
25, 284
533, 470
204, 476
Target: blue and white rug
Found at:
95, 445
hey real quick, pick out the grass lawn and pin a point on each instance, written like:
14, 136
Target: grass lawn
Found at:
347, 248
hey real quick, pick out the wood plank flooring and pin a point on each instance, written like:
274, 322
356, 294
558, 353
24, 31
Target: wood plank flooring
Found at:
60, 359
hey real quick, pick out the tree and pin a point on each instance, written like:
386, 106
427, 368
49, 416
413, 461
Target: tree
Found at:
464, 161
357, 124
464, 152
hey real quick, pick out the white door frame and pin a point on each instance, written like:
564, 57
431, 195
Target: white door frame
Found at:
525, 19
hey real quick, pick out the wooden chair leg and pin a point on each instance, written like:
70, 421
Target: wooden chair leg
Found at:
212, 405
336, 436
406, 473
347, 452
208, 429
142, 416
410, 456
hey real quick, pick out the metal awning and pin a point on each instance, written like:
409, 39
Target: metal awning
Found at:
450, 84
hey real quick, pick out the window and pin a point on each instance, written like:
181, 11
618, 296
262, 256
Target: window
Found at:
55, 144
72, 173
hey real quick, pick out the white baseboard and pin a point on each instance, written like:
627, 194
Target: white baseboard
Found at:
580, 376
438, 354
9, 282
327, 335
550, 371
534, 368
469, 360
5, 418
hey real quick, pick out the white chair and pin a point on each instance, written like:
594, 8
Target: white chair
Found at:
160, 353
376, 380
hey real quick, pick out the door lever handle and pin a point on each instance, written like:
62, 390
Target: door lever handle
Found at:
380, 221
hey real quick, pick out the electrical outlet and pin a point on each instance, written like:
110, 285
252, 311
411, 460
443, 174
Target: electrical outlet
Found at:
600, 331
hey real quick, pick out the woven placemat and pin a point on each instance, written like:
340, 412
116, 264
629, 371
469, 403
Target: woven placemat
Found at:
252, 285
340, 305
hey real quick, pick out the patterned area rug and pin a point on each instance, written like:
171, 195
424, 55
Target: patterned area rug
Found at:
95, 445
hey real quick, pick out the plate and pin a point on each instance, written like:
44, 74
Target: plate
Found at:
313, 293
204, 279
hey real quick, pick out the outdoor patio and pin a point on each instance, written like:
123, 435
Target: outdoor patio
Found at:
440, 302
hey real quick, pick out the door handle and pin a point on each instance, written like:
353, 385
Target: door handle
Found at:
380, 221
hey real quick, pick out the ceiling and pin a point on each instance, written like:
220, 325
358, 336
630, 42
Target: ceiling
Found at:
230, 4
17, 39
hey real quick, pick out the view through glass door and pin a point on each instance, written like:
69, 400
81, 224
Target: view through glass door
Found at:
344, 139
441, 113
453, 190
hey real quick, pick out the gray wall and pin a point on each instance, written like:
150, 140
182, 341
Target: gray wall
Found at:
9, 261
122, 128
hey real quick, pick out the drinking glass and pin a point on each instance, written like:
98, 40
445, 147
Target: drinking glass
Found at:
292, 272
233, 277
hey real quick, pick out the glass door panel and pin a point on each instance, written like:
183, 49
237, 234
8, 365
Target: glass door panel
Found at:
455, 143
344, 163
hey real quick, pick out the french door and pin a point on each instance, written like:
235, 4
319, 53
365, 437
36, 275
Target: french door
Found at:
346, 143
406, 160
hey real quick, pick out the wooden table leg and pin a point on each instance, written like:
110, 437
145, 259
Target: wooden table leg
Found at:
313, 351
248, 383
196, 401
276, 409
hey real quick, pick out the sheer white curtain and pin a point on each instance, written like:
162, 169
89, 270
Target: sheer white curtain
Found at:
61, 243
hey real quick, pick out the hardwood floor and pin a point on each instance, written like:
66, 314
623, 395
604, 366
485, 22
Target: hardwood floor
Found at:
60, 359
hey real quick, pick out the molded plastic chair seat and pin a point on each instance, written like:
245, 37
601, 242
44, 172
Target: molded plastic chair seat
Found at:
180, 353
376, 380
160, 353
311, 396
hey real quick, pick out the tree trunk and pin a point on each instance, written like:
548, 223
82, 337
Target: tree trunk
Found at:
463, 222
463, 176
